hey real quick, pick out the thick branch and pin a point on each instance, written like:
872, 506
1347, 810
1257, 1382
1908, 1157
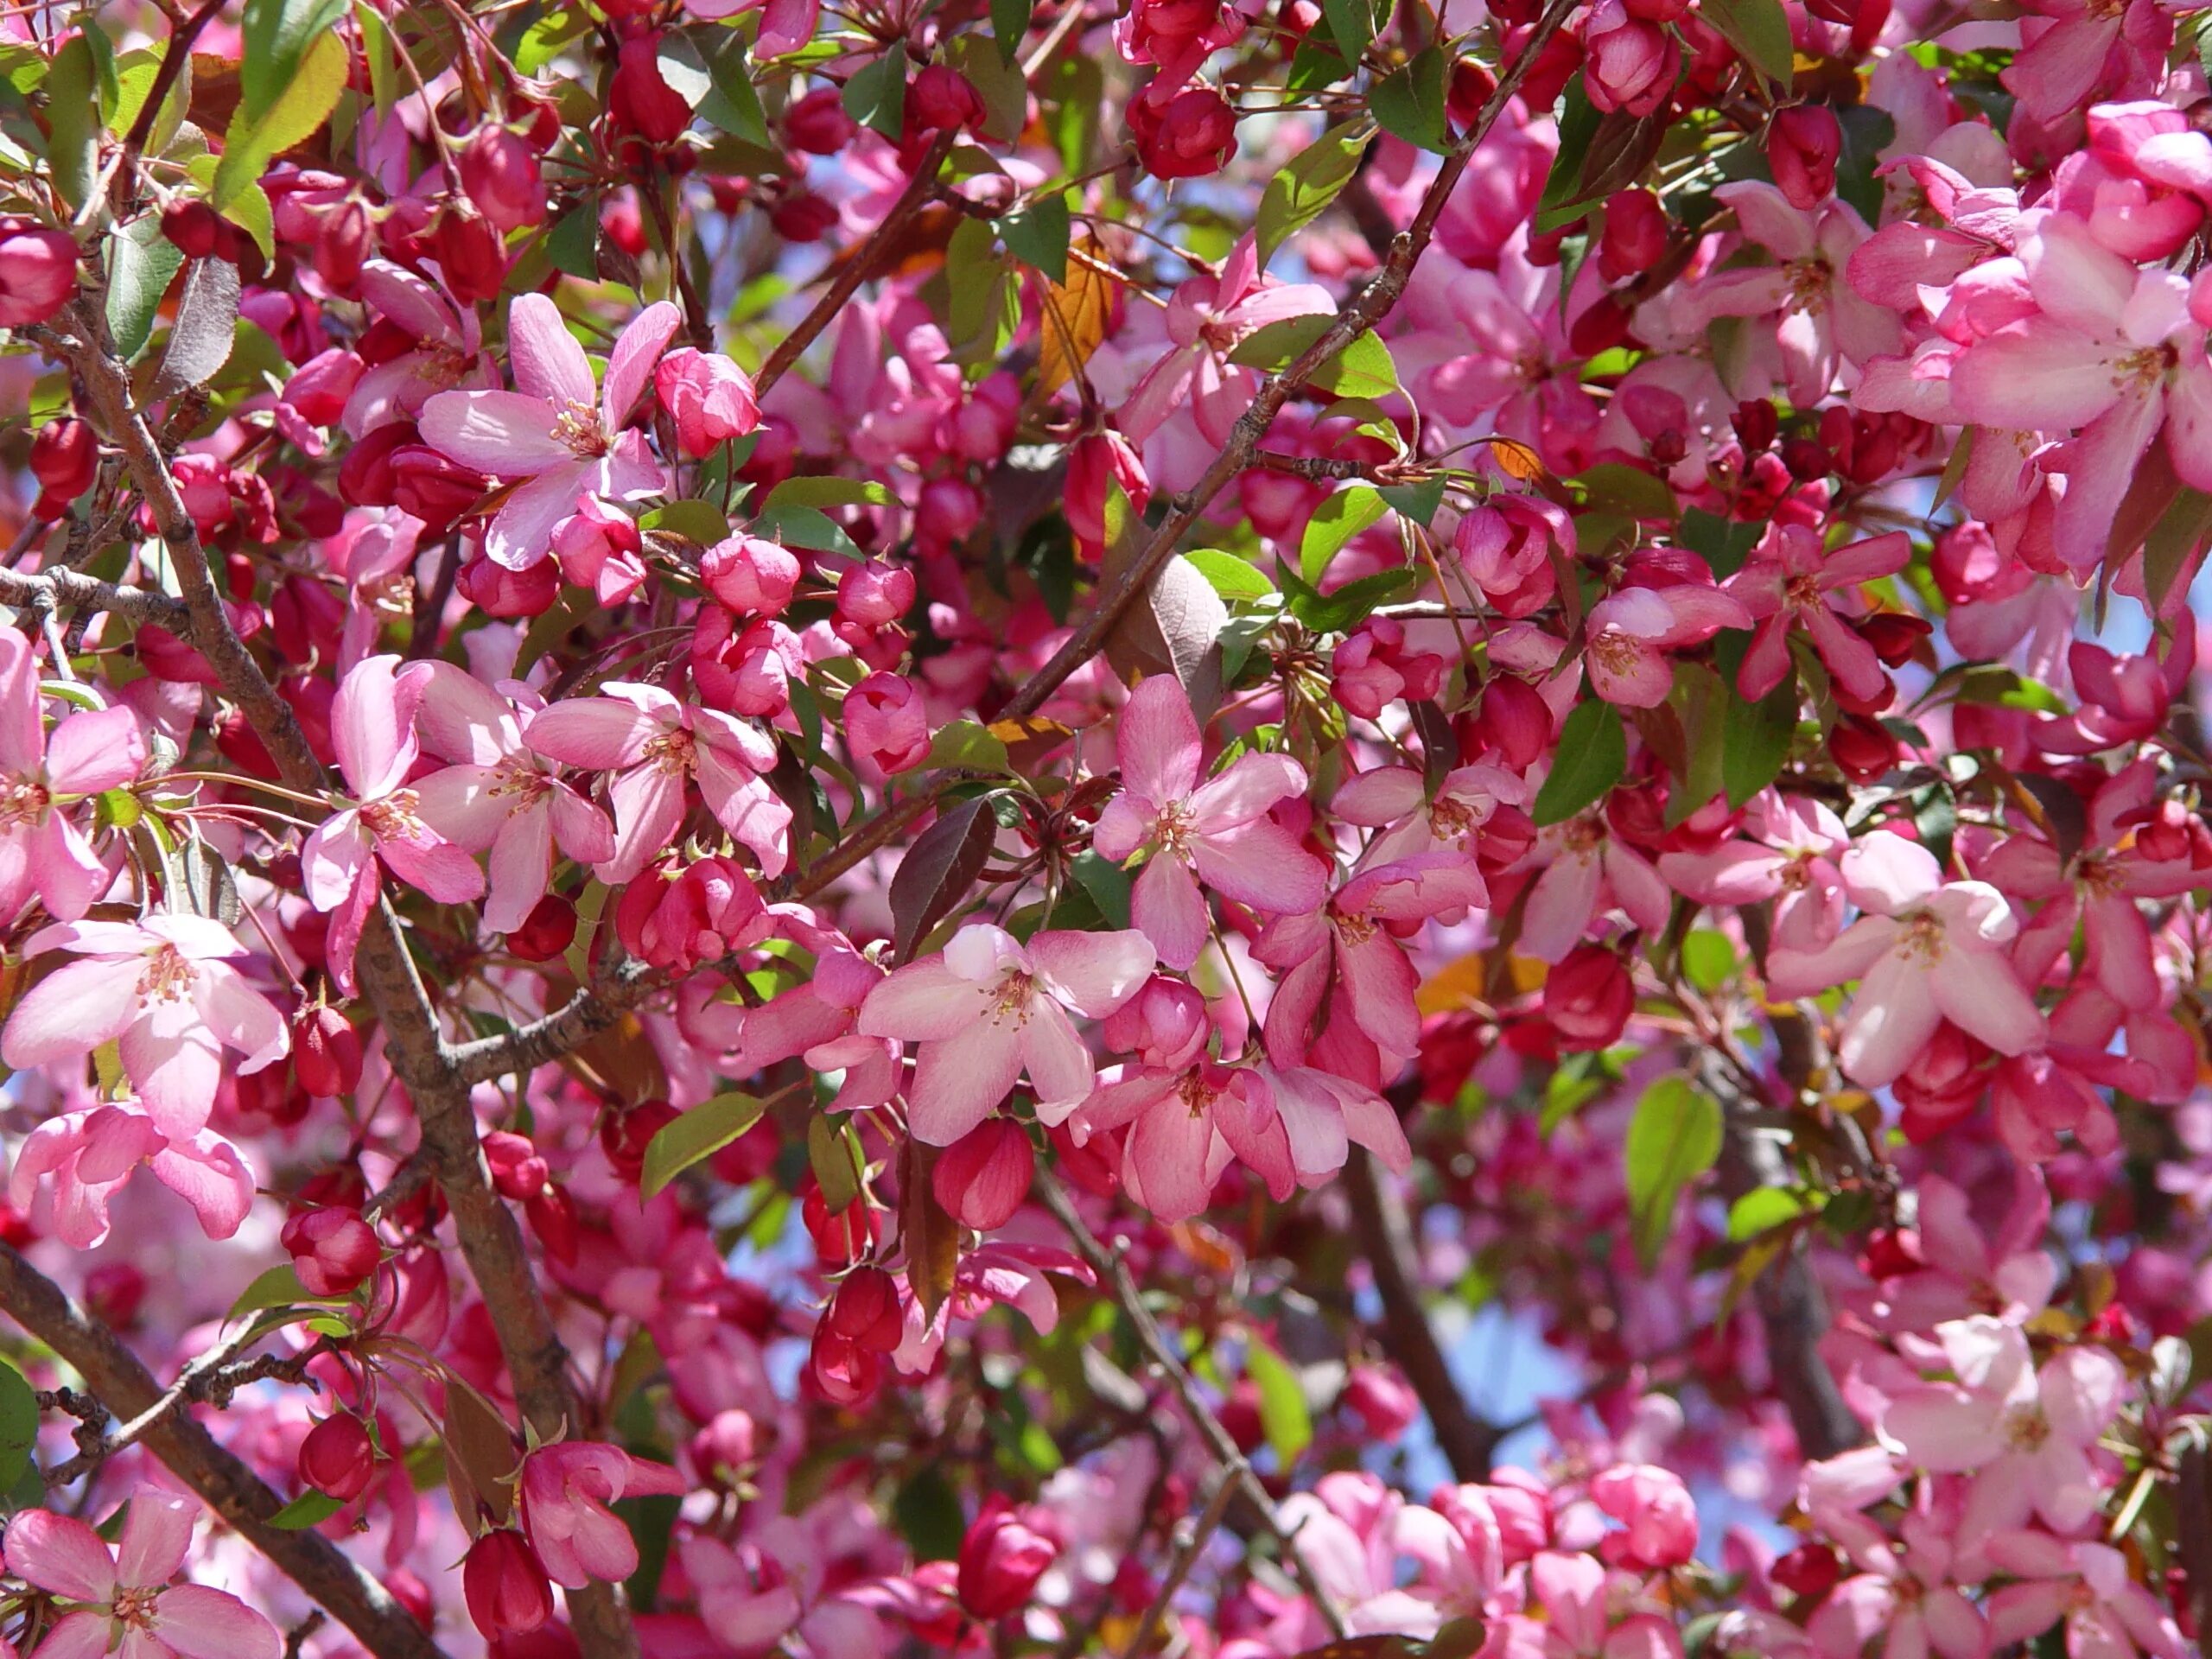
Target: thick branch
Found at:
67, 586
190, 1451
1386, 1239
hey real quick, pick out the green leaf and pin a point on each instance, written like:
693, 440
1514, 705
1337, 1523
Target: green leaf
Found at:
276, 1287
1708, 959
833, 1151
73, 111
807, 527
1106, 883
1361, 369
1409, 102
876, 95
1309, 181
1592, 754
1038, 235
1418, 502
309, 1508
1627, 489
1283, 1415
1756, 739
1579, 120
542, 41
1867, 132
573, 243
141, 265
1009, 22
702, 522
277, 35
1760, 30
698, 1133
1336, 521
1765, 1208
1723, 543
729, 104
301, 107
1674, 1138
18, 1423
825, 491
928, 1513
1352, 23
1348, 607
1233, 578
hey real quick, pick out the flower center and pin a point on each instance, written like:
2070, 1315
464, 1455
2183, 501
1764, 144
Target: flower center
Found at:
1353, 928
577, 425
2143, 368
135, 1607
1617, 650
1584, 836
1796, 875
516, 778
1174, 828
2026, 1428
168, 976
1451, 820
1804, 592
1923, 937
397, 816
1809, 285
22, 801
1012, 998
672, 752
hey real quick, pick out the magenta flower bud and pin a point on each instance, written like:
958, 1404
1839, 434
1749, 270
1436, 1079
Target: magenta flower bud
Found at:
326, 1053
705, 914
548, 931
1372, 669
500, 172
1513, 721
470, 254
333, 1250
1802, 143
887, 724
876, 595
1195, 134
65, 458
1588, 997
498, 591
516, 1169
190, 227
949, 508
38, 272
319, 388
1382, 1398
640, 101
1636, 234
942, 100
1862, 749
1629, 64
1000, 1560
709, 396
841, 1370
342, 243
866, 1310
1163, 1024
729, 1441
981, 1178
817, 124
1094, 462
437, 491
508, 1592
749, 574
337, 1458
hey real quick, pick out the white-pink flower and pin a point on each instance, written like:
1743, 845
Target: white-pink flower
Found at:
372, 728
41, 852
658, 745
564, 1492
164, 992
1631, 632
124, 1602
89, 1155
558, 429
987, 1010
1924, 951
1218, 830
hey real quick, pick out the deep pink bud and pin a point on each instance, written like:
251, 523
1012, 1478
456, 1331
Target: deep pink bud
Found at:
341, 245
1513, 720
437, 491
1164, 1025
500, 172
1802, 143
333, 1249
508, 1592
801, 217
1588, 998
1193, 136
709, 396
1382, 1398
65, 458
943, 99
1862, 749
38, 272
817, 124
190, 227
749, 574
1000, 1560
728, 1442
337, 1458
498, 591
516, 1169
1094, 462
866, 1310
1636, 234
326, 1053
886, 722
876, 595
707, 913
365, 478
1629, 64
842, 1372
840, 1237
948, 509
115, 1290
981, 1178
319, 388
470, 254
624, 1136
640, 101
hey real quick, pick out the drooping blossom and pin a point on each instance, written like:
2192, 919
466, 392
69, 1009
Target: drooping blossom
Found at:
563, 1493
43, 853
89, 1156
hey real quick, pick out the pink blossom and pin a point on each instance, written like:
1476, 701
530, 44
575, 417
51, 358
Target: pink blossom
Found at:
90, 1155
987, 1011
1923, 950
1179, 1142
656, 745
1217, 832
447, 354
1584, 1607
557, 429
498, 795
1655, 1508
1631, 630
709, 396
1395, 801
372, 728
1789, 586
122, 1600
2108, 1615
1790, 858
164, 992
1586, 869
1906, 1598
1206, 318
564, 1491
776, 1587
41, 772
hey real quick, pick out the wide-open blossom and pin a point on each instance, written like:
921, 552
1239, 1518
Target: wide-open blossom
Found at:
1217, 832
122, 1600
164, 992
987, 1011
563, 1492
1631, 630
372, 728
445, 356
42, 853
557, 429
1924, 951
1207, 317
657, 745
1792, 585
1791, 858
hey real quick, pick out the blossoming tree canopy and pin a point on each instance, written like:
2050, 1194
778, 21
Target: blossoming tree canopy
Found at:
1105, 828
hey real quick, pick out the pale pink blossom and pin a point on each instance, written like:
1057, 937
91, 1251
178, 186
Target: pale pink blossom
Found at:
122, 1600
1207, 317
1790, 858
1586, 869
447, 353
1923, 950
988, 1010
1217, 832
89, 1155
1592, 1614
164, 992
372, 728
41, 772
1395, 800
656, 745
2108, 1615
1631, 632
558, 429
564, 1491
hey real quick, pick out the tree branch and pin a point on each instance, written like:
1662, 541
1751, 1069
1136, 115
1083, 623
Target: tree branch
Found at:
195, 1457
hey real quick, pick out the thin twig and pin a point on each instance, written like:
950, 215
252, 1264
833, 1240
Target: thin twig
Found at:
1188, 1548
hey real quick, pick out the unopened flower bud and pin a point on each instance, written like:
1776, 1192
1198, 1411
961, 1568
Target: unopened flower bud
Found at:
333, 1250
500, 172
507, 1590
981, 1178
65, 458
1588, 997
337, 1458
